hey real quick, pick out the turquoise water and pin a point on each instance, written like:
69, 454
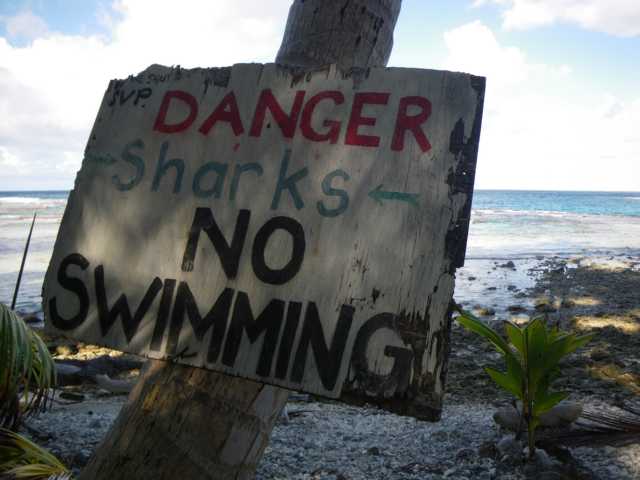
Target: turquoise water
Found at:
587, 203
16, 212
504, 224
520, 224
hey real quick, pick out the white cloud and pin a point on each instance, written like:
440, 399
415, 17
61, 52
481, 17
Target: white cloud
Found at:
50, 89
616, 17
10, 162
475, 48
25, 26
538, 131
70, 163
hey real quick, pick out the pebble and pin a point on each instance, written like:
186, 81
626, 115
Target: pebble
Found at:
340, 442
510, 449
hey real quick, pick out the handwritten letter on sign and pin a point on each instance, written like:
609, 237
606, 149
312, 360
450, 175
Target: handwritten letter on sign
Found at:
299, 231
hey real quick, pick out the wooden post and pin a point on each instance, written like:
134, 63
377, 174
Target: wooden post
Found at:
356, 33
191, 423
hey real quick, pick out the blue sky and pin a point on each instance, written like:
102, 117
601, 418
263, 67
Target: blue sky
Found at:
562, 109
72, 17
605, 60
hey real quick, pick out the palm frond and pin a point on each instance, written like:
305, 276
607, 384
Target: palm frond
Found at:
614, 428
27, 371
20, 458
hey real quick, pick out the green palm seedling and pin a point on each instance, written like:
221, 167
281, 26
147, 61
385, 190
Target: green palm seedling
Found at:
27, 371
22, 459
532, 355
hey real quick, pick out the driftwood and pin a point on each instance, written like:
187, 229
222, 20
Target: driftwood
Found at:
76, 372
113, 385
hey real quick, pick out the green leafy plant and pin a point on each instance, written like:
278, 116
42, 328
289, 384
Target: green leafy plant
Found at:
20, 458
532, 355
27, 371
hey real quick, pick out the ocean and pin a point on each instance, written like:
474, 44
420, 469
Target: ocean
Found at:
520, 224
505, 225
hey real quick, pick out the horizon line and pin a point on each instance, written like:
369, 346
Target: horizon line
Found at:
543, 190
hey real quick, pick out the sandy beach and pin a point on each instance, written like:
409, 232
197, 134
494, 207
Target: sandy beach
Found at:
328, 440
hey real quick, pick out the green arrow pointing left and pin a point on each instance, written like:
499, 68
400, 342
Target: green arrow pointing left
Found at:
378, 194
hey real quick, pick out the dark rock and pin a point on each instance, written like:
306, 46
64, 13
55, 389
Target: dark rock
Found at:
562, 414
488, 450
299, 397
545, 467
95, 423
465, 454
471, 279
81, 458
508, 264
75, 397
545, 308
507, 417
492, 288
543, 460
544, 304
532, 472
567, 303
512, 288
620, 363
373, 451
570, 467
510, 449
516, 308
599, 355
31, 319
68, 374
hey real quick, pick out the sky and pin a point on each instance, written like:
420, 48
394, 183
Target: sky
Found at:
562, 107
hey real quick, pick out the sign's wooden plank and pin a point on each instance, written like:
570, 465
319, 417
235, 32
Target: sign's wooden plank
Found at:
301, 231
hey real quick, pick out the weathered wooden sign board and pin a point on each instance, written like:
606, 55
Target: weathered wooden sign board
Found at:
299, 231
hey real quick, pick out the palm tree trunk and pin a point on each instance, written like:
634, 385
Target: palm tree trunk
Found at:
190, 423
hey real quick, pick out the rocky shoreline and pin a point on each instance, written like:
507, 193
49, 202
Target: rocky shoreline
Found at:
326, 440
